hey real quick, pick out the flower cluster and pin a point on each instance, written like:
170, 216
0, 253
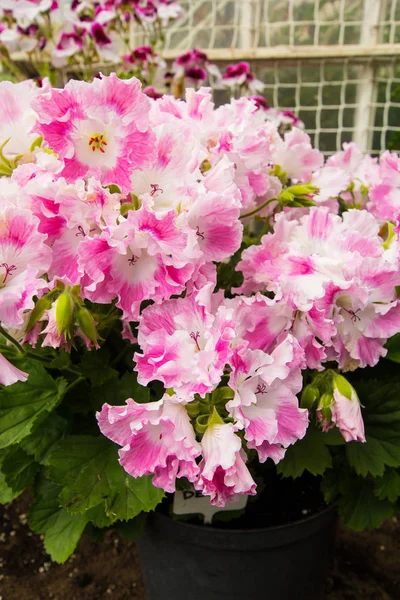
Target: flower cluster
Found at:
79, 33
112, 198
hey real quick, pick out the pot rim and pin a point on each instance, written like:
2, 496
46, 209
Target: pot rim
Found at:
238, 539
251, 530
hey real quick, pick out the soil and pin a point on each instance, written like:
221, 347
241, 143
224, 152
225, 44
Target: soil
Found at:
366, 565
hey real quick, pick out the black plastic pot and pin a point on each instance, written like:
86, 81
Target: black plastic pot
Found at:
181, 561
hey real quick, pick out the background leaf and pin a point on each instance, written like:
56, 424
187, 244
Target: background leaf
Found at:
6, 493
60, 529
381, 415
18, 468
24, 404
388, 486
39, 443
88, 470
360, 507
309, 454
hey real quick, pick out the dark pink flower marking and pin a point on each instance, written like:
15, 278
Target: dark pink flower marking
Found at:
195, 337
199, 233
261, 388
9, 270
353, 314
155, 188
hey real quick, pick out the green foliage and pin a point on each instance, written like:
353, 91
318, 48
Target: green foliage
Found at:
6, 492
309, 454
95, 366
393, 348
227, 276
61, 529
387, 487
360, 507
18, 468
381, 413
24, 405
43, 438
87, 468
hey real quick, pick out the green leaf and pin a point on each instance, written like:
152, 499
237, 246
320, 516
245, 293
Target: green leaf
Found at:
72, 454
309, 454
388, 486
23, 405
98, 517
60, 529
6, 493
393, 348
89, 471
95, 365
382, 426
92, 485
40, 442
131, 496
19, 469
359, 506
117, 391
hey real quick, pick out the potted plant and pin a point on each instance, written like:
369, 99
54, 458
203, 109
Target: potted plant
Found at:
191, 301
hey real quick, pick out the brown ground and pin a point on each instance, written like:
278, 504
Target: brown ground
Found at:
366, 566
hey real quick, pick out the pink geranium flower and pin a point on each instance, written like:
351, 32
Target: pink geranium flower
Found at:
17, 117
99, 129
185, 343
24, 258
265, 402
344, 412
296, 156
141, 258
223, 472
10, 374
157, 439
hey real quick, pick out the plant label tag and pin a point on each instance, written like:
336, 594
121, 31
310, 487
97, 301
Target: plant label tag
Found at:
193, 502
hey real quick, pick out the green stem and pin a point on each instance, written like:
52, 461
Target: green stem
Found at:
77, 381
42, 359
11, 66
9, 337
256, 210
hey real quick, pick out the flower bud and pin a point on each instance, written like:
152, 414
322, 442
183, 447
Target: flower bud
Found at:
344, 387
64, 312
43, 304
324, 413
346, 410
309, 396
285, 198
304, 189
87, 324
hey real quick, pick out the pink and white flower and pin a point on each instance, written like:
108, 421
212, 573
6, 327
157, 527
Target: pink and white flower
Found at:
9, 374
265, 402
185, 343
141, 258
223, 472
345, 412
17, 118
99, 129
295, 155
24, 258
157, 439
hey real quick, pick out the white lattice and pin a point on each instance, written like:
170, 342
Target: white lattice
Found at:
335, 62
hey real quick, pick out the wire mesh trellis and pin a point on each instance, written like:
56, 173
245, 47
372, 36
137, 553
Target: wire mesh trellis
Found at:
335, 62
